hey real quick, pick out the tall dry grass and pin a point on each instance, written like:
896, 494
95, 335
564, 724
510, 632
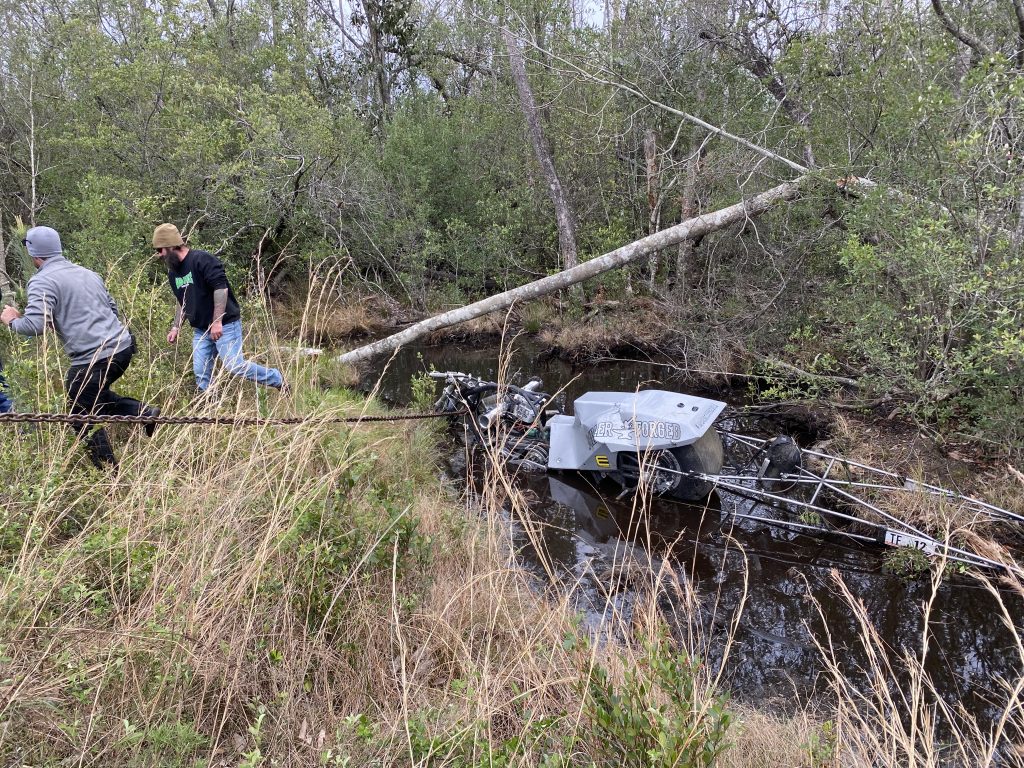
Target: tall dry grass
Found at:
892, 711
322, 595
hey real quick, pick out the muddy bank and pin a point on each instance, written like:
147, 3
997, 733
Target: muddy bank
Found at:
575, 333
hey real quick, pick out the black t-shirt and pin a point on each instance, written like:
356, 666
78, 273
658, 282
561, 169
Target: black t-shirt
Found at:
193, 281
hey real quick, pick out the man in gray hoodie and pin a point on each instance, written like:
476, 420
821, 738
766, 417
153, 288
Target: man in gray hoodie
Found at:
74, 302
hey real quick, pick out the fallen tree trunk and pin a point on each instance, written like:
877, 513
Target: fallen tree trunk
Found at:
696, 227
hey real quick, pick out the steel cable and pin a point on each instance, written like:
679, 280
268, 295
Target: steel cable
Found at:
233, 421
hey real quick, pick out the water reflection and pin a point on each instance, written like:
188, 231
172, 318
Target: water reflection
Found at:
608, 551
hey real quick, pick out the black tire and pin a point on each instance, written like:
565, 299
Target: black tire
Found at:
783, 456
704, 456
659, 483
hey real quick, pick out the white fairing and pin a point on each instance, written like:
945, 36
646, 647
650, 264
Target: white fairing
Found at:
607, 423
570, 448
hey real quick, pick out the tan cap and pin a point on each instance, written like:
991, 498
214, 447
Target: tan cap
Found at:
167, 236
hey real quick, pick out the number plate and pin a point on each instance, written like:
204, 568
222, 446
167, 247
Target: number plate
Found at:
894, 539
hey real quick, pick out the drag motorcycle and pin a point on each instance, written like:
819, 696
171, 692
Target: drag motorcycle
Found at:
677, 446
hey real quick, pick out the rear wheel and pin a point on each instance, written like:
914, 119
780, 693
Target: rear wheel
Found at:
659, 471
668, 472
705, 456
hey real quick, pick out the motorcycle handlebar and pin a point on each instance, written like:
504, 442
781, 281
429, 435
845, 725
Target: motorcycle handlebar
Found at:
531, 386
530, 389
448, 374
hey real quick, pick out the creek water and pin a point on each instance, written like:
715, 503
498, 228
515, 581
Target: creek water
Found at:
781, 588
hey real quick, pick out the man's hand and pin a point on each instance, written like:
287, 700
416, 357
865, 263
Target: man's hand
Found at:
172, 335
9, 315
216, 329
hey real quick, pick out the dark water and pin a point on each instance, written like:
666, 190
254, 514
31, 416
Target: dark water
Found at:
562, 380
579, 537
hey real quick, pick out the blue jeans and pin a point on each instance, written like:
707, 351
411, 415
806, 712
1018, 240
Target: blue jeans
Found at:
229, 349
6, 406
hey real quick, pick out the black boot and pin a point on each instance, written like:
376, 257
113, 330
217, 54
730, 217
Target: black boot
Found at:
100, 451
150, 411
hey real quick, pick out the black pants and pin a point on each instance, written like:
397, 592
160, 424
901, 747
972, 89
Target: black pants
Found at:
88, 388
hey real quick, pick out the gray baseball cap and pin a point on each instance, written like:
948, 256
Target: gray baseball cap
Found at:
43, 242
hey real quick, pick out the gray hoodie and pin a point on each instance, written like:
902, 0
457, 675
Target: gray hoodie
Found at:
74, 302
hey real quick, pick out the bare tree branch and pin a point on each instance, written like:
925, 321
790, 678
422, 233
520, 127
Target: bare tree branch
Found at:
419, 55
635, 90
752, 59
975, 44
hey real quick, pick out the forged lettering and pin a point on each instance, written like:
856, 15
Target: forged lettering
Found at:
659, 430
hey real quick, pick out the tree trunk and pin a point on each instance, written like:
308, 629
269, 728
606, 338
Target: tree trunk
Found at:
687, 208
563, 212
342, 27
687, 230
1018, 233
653, 197
275, 21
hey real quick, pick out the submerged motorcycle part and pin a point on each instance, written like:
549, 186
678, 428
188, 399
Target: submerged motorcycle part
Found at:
674, 472
535, 459
656, 471
779, 457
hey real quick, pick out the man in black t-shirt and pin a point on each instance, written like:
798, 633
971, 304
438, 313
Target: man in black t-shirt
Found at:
200, 285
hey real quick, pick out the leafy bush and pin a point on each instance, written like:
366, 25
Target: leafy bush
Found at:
660, 715
335, 538
931, 319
